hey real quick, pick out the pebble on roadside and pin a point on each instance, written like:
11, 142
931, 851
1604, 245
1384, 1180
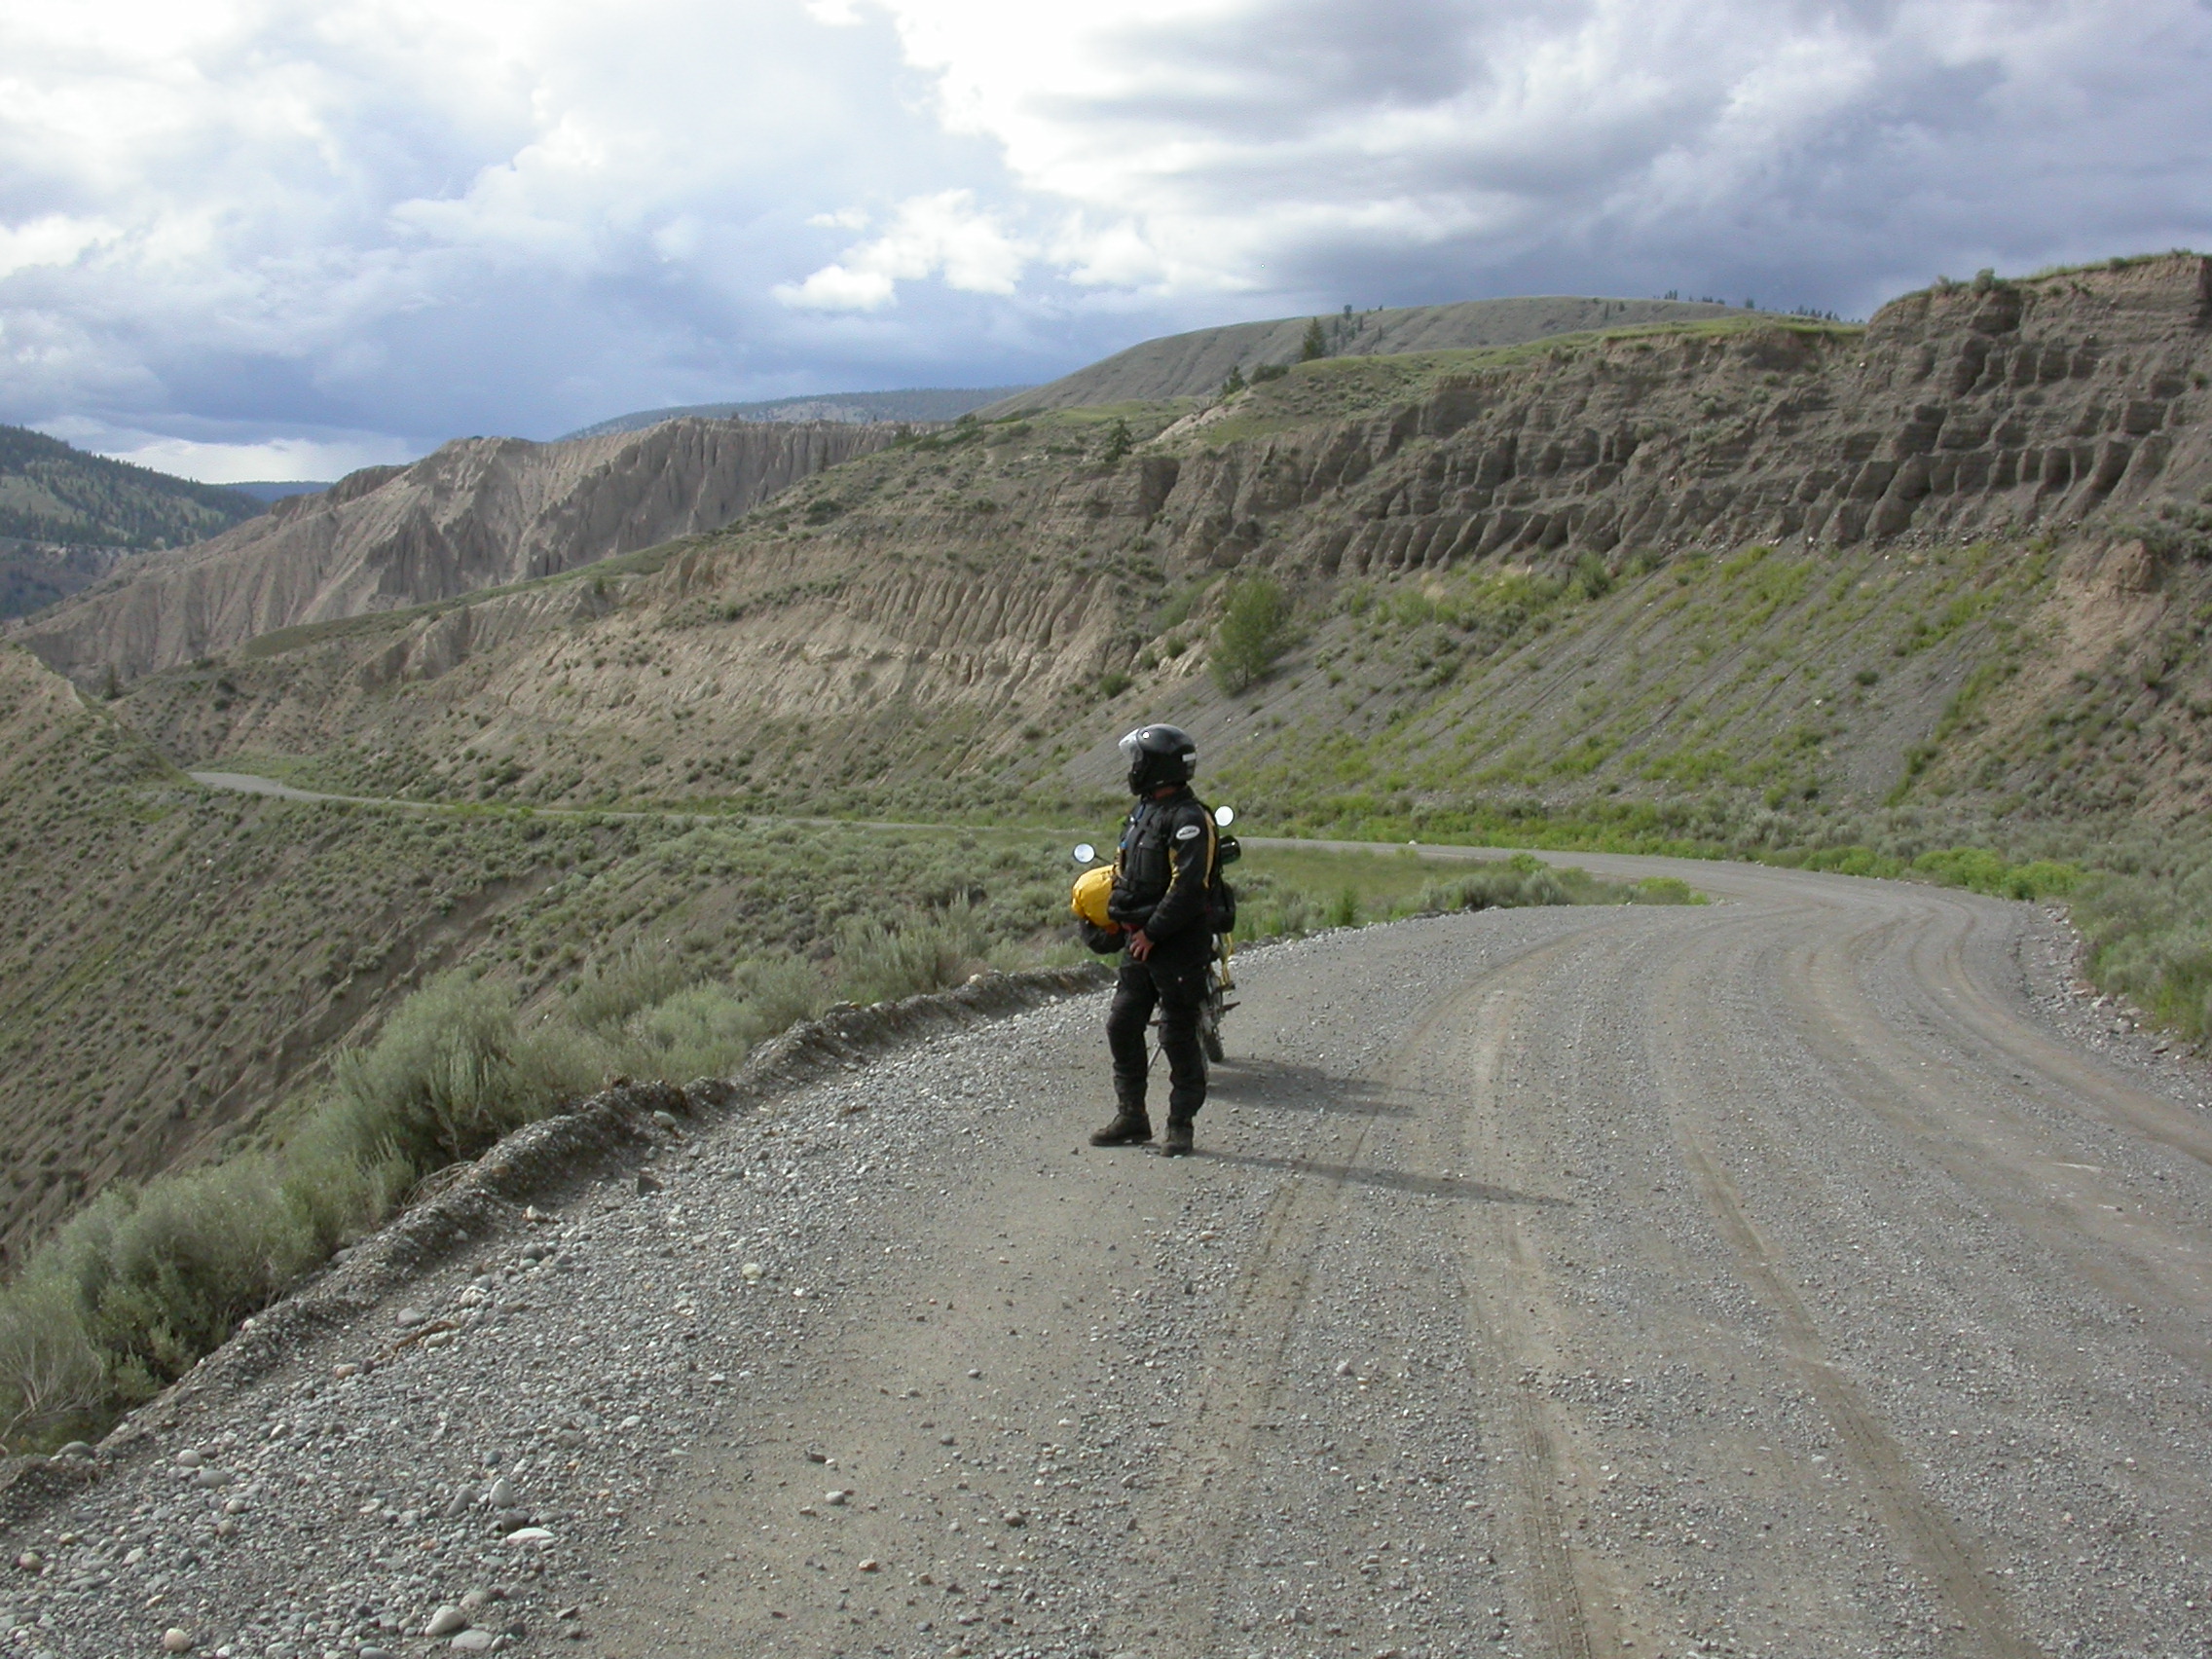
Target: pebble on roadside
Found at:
445, 1621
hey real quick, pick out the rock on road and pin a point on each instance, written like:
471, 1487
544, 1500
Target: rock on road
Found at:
1791, 1275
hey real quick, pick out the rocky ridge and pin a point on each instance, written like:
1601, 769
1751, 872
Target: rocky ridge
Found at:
479, 513
1197, 364
916, 403
1957, 413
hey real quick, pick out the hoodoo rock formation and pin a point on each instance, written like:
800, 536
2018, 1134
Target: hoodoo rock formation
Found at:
478, 513
1959, 412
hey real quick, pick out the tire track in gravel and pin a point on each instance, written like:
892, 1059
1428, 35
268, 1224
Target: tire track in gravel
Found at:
1690, 1073
1978, 1123
1986, 1028
1274, 1295
1501, 1344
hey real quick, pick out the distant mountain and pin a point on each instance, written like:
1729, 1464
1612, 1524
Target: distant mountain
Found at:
281, 488
1195, 364
51, 492
34, 574
922, 403
69, 519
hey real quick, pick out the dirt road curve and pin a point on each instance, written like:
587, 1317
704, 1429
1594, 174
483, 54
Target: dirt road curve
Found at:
1766, 1277
1773, 1278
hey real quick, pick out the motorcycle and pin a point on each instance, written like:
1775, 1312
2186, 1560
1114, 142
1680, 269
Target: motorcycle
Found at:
1220, 982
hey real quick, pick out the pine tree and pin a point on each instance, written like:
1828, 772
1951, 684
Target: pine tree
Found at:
1315, 343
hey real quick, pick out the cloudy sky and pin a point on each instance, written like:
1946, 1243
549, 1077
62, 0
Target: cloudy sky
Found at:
270, 239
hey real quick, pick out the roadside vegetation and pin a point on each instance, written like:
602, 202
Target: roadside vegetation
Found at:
653, 953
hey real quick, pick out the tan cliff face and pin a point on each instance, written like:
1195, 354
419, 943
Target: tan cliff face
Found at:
2032, 406
958, 614
478, 513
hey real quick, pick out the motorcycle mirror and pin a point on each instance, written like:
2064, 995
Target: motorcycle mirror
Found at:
1225, 815
1084, 853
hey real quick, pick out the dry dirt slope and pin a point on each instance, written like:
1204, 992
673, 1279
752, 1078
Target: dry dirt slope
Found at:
479, 513
179, 964
1772, 1277
1525, 574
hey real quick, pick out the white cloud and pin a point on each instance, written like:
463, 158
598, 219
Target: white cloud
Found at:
325, 457
1256, 144
55, 240
943, 235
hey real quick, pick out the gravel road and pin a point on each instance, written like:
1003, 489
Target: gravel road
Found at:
1811, 1273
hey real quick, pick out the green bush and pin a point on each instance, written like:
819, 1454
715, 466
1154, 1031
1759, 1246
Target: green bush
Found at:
2149, 928
1254, 632
706, 1029
882, 962
1267, 912
1519, 881
54, 1382
700, 1031
1984, 870
612, 991
165, 1273
451, 1074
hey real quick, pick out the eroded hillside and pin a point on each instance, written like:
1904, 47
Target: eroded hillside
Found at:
478, 513
1533, 574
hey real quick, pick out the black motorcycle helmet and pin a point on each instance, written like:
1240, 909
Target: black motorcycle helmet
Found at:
1158, 754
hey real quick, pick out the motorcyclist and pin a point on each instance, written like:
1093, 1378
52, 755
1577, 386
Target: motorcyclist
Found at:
1162, 900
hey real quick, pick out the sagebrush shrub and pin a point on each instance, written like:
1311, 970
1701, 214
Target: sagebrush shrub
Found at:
881, 962
451, 1073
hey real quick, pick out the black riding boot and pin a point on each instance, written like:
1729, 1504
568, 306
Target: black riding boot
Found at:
1130, 1128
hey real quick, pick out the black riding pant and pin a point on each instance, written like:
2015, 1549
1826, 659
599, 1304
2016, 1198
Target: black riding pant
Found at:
1172, 979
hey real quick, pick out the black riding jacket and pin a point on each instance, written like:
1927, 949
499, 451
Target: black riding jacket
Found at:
1164, 871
